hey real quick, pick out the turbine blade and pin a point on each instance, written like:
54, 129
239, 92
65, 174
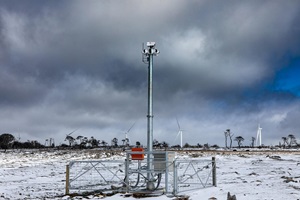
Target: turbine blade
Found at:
178, 123
72, 131
176, 136
131, 127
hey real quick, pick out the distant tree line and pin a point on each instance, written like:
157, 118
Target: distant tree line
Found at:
289, 141
8, 141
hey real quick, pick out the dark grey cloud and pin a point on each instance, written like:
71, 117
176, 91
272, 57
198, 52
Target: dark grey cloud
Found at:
68, 65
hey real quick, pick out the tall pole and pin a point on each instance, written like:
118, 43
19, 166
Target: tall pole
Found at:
148, 58
150, 105
181, 138
258, 136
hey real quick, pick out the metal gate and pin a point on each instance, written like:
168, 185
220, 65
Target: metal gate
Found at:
194, 174
94, 175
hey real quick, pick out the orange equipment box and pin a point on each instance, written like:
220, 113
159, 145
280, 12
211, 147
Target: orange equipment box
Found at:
137, 156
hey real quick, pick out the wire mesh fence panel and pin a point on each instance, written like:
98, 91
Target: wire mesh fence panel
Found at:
96, 175
193, 174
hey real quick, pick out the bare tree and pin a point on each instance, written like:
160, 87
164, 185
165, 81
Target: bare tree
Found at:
285, 141
292, 139
114, 142
156, 143
229, 134
252, 141
239, 140
103, 143
93, 142
164, 145
79, 138
70, 139
226, 136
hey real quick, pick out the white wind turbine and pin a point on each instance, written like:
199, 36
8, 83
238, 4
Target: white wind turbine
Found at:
180, 131
126, 134
258, 136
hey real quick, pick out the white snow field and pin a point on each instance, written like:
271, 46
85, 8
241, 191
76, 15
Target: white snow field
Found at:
32, 174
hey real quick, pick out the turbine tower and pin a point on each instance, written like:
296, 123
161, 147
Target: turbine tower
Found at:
126, 135
258, 136
180, 131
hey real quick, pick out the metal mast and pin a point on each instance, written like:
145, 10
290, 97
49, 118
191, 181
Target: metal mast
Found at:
148, 59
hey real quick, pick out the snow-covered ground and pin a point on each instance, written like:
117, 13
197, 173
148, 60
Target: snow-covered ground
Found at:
250, 176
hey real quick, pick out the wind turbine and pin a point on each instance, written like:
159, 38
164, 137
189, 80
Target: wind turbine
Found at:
52, 142
69, 135
180, 131
70, 138
46, 142
258, 136
126, 134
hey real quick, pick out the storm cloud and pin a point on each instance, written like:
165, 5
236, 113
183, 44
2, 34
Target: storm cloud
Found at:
71, 65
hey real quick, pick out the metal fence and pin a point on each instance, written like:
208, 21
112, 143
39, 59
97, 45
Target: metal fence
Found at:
169, 175
194, 174
94, 175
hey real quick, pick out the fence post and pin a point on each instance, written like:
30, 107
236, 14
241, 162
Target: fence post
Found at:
175, 187
214, 172
67, 179
167, 171
127, 172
